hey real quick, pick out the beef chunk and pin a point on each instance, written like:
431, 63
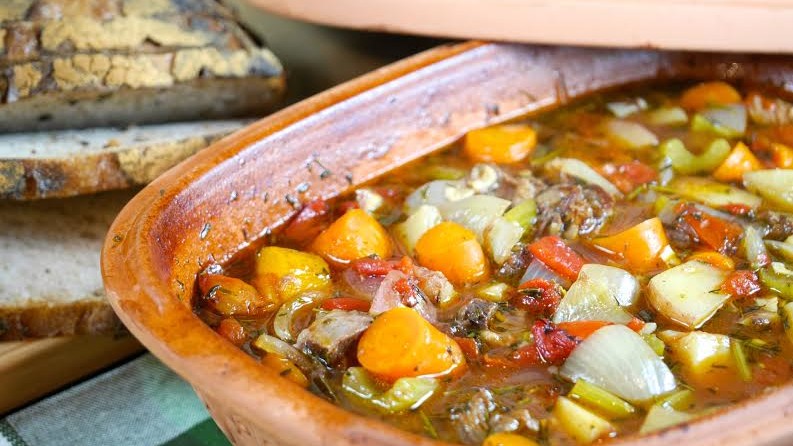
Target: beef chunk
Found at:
513, 268
470, 419
332, 333
780, 224
571, 210
473, 316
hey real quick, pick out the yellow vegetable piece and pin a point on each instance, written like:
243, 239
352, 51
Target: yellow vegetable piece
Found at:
503, 144
508, 439
581, 424
352, 236
285, 273
740, 160
285, 368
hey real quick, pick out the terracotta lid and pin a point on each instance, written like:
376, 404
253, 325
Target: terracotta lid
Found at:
724, 25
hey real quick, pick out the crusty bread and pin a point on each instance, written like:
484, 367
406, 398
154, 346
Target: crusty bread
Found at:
87, 63
50, 282
62, 163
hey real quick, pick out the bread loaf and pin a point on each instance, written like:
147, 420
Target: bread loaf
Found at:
87, 63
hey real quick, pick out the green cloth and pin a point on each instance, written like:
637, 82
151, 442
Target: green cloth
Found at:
139, 403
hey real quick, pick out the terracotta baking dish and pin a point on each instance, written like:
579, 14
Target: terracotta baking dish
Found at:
217, 204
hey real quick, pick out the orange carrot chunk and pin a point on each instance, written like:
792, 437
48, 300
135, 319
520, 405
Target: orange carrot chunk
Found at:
581, 329
782, 156
642, 248
503, 144
740, 160
709, 94
714, 258
400, 343
352, 236
453, 250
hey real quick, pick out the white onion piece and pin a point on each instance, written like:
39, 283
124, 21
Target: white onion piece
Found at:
668, 116
500, 237
422, 220
538, 270
587, 300
271, 344
285, 317
732, 117
476, 212
753, 247
631, 134
435, 193
618, 360
622, 109
361, 285
620, 284
580, 170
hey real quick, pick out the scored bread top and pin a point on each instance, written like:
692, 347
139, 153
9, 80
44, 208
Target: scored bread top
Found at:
57, 54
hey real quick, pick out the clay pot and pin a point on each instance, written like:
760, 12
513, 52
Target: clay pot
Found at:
218, 203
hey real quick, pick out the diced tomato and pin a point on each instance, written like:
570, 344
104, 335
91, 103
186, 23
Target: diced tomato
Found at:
582, 329
346, 304
629, 176
371, 266
635, 324
468, 346
538, 296
772, 370
309, 222
405, 265
232, 331
741, 283
716, 233
738, 209
552, 345
556, 255
345, 206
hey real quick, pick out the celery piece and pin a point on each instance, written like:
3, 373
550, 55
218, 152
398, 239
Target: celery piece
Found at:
357, 381
655, 343
660, 417
685, 162
778, 278
404, 394
681, 400
424, 218
782, 249
523, 213
741, 363
442, 172
700, 123
604, 402
494, 292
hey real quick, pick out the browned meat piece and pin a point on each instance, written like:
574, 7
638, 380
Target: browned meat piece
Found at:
571, 210
780, 224
473, 316
470, 419
332, 333
524, 185
512, 270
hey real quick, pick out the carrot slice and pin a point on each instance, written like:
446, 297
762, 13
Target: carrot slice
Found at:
556, 255
503, 144
352, 236
642, 248
400, 343
709, 93
582, 329
782, 156
453, 250
740, 160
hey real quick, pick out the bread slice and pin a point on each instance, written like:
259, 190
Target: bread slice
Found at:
50, 282
61, 163
94, 63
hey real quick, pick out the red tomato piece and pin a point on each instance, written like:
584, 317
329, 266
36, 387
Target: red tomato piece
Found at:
629, 176
371, 266
741, 283
738, 209
309, 222
346, 304
556, 255
538, 296
718, 234
552, 345
468, 346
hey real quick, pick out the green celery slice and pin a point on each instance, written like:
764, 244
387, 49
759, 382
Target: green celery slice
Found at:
604, 402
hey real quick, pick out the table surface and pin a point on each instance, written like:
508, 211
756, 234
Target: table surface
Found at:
141, 402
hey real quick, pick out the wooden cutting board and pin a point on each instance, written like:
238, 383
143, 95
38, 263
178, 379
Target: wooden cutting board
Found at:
721, 25
32, 369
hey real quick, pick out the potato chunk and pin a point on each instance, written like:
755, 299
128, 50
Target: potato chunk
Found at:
688, 294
